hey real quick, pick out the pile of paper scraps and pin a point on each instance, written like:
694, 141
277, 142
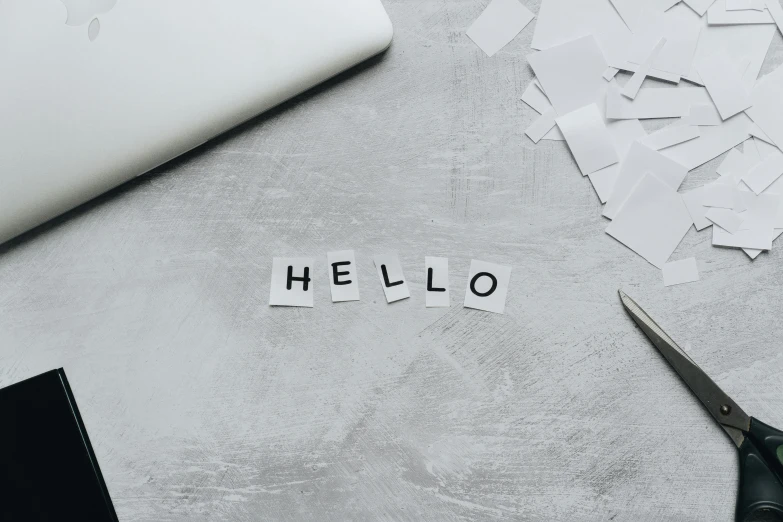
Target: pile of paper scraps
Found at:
717, 47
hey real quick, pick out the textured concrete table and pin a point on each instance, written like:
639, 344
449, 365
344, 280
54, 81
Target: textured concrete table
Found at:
205, 404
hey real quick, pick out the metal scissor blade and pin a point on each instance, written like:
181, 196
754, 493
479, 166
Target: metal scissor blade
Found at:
722, 408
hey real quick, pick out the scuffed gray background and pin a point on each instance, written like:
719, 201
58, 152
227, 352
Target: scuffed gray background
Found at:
205, 404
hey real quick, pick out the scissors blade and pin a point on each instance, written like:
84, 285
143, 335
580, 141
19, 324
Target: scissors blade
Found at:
722, 408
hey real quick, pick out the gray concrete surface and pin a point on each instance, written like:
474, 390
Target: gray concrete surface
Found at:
205, 404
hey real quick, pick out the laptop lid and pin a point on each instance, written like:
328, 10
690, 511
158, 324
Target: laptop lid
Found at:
96, 92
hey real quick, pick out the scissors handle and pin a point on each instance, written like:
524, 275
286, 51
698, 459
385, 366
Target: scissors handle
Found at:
761, 474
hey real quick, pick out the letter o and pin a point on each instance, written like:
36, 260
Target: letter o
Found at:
476, 278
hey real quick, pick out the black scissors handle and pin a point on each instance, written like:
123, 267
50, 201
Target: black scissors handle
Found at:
760, 494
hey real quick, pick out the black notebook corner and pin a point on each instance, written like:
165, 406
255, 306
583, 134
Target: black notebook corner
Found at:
48, 470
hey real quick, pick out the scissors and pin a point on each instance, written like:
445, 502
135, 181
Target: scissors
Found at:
760, 446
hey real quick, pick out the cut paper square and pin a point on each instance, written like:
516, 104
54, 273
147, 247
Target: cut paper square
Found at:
723, 84
500, 22
561, 21
726, 219
652, 222
703, 114
487, 286
588, 139
395, 287
679, 272
571, 74
437, 292
292, 283
719, 195
343, 276
639, 161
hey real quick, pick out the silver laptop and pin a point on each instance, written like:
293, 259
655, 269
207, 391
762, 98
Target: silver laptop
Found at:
96, 92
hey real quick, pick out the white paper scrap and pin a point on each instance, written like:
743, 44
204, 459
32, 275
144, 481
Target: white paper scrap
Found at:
726, 219
588, 139
536, 98
679, 272
543, 124
700, 6
670, 136
718, 195
343, 276
487, 286
723, 84
633, 85
713, 142
765, 173
395, 287
654, 102
561, 21
500, 22
639, 161
571, 74
292, 283
703, 114
652, 222
610, 73
437, 290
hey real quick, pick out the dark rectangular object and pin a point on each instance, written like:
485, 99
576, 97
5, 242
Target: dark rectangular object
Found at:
48, 471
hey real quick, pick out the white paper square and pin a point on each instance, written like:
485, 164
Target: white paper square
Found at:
487, 286
679, 272
343, 276
393, 282
500, 22
588, 139
300, 293
436, 273
652, 222
571, 74
639, 161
